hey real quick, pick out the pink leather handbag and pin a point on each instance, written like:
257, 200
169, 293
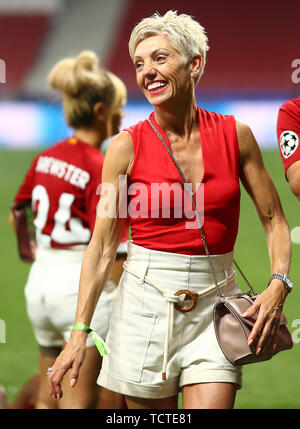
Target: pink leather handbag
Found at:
232, 331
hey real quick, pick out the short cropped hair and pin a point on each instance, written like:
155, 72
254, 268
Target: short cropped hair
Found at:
186, 34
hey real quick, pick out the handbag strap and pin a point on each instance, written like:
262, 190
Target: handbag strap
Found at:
203, 237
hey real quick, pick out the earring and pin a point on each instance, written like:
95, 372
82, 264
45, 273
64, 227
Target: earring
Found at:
195, 74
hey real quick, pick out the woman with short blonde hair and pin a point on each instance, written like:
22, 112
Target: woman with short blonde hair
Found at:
186, 34
157, 347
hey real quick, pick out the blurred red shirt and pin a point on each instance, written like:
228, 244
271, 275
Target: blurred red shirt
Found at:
62, 187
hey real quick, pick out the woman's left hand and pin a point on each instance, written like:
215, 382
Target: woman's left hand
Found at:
268, 305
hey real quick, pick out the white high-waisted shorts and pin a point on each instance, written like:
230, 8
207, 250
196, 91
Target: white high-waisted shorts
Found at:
148, 336
51, 295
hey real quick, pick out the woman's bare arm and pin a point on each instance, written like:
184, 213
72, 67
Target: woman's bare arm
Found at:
98, 259
260, 187
11, 221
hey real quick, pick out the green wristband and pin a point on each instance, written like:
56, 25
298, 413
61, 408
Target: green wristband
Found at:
99, 342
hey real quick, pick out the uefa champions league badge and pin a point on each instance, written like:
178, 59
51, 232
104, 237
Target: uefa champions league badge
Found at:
289, 142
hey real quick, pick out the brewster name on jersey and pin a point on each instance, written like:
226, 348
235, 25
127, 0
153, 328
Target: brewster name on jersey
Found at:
60, 186
61, 169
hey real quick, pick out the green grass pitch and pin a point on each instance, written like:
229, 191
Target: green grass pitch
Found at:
273, 384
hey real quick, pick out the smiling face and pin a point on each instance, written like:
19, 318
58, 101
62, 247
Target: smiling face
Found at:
161, 71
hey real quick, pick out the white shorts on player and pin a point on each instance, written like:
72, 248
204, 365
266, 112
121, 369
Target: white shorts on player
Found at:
51, 296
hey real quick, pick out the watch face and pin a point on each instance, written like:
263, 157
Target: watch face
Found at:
289, 282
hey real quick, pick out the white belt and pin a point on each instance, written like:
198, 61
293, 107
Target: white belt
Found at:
172, 299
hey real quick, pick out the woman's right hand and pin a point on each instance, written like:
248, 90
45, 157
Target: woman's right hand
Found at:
70, 359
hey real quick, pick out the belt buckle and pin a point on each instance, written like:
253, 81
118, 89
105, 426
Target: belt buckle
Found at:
189, 295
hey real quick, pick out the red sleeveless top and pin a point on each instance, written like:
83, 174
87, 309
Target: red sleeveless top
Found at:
159, 208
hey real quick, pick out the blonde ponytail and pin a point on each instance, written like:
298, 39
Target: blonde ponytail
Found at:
83, 84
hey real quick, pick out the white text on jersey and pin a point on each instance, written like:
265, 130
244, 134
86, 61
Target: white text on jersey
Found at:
61, 169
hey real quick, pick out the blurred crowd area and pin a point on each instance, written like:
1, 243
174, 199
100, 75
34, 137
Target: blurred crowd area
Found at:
253, 64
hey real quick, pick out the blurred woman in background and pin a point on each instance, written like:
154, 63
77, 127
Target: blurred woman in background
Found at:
61, 186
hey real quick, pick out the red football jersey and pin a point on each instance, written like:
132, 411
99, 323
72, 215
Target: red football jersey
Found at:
288, 132
62, 188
